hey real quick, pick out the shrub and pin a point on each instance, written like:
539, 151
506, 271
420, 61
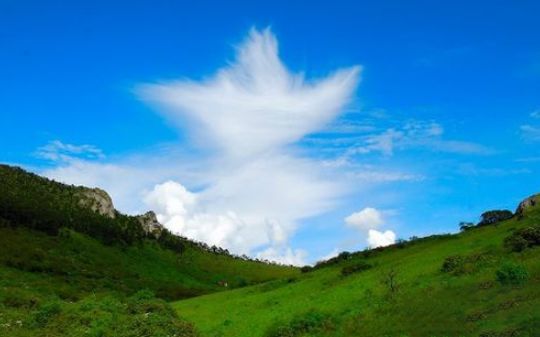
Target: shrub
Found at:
302, 325
16, 298
492, 217
46, 312
512, 274
453, 264
459, 265
523, 238
355, 268
465, 226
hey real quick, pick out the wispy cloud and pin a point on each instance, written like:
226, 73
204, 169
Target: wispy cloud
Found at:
256, 104
530, 133
58, 151
372, 175
415, 135
249, 191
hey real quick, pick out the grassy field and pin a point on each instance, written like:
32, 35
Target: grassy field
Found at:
403, 292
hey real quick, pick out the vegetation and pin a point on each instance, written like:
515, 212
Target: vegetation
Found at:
61, 277
495, 216
355, 268
467, 284
512, 274
524, 238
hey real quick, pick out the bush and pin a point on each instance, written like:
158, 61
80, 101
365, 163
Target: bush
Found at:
465, 226
301, 326
523, 238
16, 298
492, 217
453, 264
512, 274
46, 312
459, 265
355, 268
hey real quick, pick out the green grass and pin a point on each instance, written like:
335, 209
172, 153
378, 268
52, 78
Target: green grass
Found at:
426, 302
71, 272
66, 271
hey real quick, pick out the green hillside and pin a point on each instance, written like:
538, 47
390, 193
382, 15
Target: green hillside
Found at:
67, 271
484, 281
80, 268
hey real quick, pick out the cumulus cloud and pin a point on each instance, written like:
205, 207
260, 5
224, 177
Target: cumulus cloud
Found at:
380, 239
251, 190
365, 219
284, 255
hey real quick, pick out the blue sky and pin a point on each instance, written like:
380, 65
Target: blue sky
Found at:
432, 117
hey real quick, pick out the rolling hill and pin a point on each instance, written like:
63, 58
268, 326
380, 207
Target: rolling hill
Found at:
72, 268
71, 265
484, 281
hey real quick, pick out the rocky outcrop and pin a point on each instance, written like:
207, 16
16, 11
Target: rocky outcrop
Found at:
150, 224
527, 203
98, 201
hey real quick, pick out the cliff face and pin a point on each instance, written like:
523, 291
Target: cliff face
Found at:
527, 203
150, 223
98, 201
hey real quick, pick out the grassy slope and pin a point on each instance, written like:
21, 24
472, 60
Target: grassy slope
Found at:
75, 272
72, 284
83, 264
429, 302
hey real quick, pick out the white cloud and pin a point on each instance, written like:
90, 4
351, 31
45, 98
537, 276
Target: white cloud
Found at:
250, 191
255, 104
373, 176
284, 255
414, 134
535, 113
380, 239
365, 219
57, 151
530, 133
332, 254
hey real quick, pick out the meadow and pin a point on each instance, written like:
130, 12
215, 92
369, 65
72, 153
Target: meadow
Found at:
446, 285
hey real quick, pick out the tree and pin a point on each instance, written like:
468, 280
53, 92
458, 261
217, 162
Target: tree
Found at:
390, 280
464, 226
494, 216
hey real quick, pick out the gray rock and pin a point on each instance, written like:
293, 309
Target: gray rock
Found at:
150, 223
98, 201
527, 203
